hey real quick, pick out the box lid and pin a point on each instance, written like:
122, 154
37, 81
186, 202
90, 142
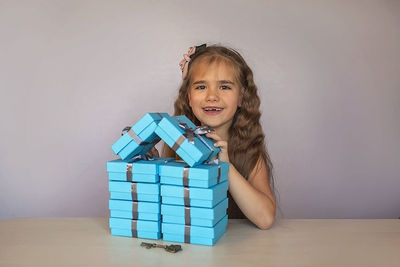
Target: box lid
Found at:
193, 231
140, 166
139, 188
191, 182
139, 216
139, 225
134, 206
135, 197
203, 175
147, 120
194, 192
195, 212
201, 172
135, 233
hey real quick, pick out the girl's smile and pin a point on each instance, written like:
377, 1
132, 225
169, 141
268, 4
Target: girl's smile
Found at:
214, 94
212, 110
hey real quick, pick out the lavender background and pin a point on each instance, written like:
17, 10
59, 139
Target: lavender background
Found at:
74, 73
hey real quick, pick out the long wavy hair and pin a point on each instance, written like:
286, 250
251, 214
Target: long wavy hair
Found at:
246, 138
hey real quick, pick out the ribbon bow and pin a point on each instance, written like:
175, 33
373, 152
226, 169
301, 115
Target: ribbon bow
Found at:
190, 133
125, 130
141, 157
184, 64
212, 162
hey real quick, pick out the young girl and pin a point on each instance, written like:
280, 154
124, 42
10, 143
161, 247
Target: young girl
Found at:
218, 90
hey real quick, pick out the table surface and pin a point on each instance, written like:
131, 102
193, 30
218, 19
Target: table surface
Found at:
314, 242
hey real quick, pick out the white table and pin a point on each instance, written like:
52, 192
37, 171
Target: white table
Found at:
87, 242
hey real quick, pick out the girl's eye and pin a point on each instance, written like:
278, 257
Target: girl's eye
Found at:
225, 87
200, 87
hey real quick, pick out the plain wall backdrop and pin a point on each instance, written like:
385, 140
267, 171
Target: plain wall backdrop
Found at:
74, 73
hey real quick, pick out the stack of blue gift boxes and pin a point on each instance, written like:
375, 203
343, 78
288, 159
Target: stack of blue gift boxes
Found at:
180, 201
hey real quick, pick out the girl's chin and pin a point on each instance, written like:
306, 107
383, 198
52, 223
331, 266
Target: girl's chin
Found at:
211, 123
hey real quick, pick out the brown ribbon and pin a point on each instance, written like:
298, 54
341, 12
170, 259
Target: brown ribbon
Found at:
178, 143
186, 196
134, 228
135, 138
215, 162
134, 191
187, 216
129, 172
139, 141
135, 210
187, 234
185, 178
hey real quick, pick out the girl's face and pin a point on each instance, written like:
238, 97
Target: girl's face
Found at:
214, 94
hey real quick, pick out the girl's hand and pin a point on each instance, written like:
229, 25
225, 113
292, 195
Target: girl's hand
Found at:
223, 145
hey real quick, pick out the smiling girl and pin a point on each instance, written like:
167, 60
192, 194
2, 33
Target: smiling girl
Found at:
218, 90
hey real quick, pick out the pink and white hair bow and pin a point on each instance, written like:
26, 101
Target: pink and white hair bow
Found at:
184, 64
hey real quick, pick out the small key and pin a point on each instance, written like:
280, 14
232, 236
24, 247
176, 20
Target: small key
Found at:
147, 245
171, 248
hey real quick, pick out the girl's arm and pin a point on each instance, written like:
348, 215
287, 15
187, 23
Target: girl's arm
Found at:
254, 195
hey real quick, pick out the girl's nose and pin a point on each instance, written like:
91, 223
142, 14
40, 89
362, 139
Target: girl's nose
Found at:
212, 95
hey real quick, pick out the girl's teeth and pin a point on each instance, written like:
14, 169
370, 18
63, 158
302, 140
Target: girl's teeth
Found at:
213, 109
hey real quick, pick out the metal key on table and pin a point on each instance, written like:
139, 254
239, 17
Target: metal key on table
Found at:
170, 248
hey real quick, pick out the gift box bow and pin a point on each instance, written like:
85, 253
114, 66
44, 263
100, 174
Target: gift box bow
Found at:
190, 133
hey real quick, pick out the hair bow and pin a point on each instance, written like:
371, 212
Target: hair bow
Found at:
184, 64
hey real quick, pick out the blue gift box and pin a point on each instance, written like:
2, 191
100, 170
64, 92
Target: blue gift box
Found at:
194, 196
140, 197
134, 191
140, 138
204, 175
194, 215
178, 138
135, 228
136, 170
139, 215
134, 209
194, 234
140, 234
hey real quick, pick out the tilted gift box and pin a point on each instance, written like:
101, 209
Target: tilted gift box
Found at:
179, 134
137, 209
194, 196
135, 228
134, 191
194, 215
204, 175
194, 234
136, 170
140, 138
